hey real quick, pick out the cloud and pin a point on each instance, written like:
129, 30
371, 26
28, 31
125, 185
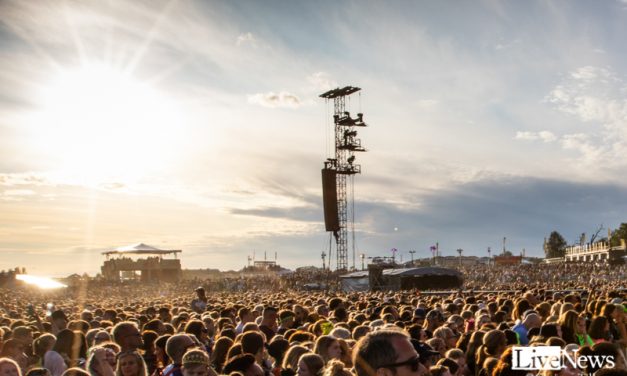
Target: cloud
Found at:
246, 38
19, 192
274, 100
16, 179
427, 103
591, 73
322, 81
505, 45
545, 136
476, 215
596, 96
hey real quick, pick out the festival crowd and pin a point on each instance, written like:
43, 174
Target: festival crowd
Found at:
268, 327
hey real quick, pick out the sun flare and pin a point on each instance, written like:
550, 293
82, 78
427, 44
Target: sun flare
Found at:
41, 282
99, 124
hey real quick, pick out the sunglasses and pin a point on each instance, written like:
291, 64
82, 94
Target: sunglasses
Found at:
413, 363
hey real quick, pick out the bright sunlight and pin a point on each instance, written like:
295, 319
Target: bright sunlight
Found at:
104, 125
41, 282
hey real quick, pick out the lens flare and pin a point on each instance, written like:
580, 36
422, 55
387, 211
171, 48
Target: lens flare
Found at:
41, 282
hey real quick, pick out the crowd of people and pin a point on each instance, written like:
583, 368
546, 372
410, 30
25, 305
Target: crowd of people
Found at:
566, 275
270, 327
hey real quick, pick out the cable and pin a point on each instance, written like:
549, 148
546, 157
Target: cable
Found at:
330, 249
359, 101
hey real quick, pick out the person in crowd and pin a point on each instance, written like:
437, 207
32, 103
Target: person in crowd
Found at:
101, 362
268, 324
277, 350
245, 316
198, 329
599, 329
9, 367
219, 353
127, 336
13, 349
311, 365
161, 358
63, 354
196, 363
328, 348
199, 304
245, 364
387, 352
130, 363
41, 346
59, 321
148, 350
290, 361
494, 343
176, 346
529, 321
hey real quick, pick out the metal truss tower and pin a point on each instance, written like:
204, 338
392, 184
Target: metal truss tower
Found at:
344, 166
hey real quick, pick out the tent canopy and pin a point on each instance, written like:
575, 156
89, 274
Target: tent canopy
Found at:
140, 249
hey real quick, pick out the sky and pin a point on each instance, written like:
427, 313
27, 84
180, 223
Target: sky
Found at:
197, 125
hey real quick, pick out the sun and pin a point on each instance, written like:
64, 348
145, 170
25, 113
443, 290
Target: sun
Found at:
98, 124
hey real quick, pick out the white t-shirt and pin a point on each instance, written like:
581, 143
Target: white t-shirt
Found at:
54, 362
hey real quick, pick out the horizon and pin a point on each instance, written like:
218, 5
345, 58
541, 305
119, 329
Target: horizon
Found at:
197, 126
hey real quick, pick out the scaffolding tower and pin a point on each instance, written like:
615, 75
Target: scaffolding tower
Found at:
344, 166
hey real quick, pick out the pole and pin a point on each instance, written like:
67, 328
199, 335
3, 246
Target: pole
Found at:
489, 256
437, 252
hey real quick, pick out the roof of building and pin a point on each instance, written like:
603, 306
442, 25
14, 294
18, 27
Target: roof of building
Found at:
140, 249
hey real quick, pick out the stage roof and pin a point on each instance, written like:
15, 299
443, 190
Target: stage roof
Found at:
140, 249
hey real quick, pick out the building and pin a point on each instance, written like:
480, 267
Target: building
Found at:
595, 252
120, 265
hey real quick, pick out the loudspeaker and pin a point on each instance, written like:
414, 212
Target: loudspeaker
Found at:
329, 200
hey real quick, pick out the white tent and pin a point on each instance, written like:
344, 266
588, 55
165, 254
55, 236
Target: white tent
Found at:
141, 249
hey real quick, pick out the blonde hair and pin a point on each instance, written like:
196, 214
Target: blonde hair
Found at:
293, 355
336, 368
141, 365
12, 362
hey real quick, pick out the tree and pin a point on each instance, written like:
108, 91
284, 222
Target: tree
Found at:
618, 234
555, 246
